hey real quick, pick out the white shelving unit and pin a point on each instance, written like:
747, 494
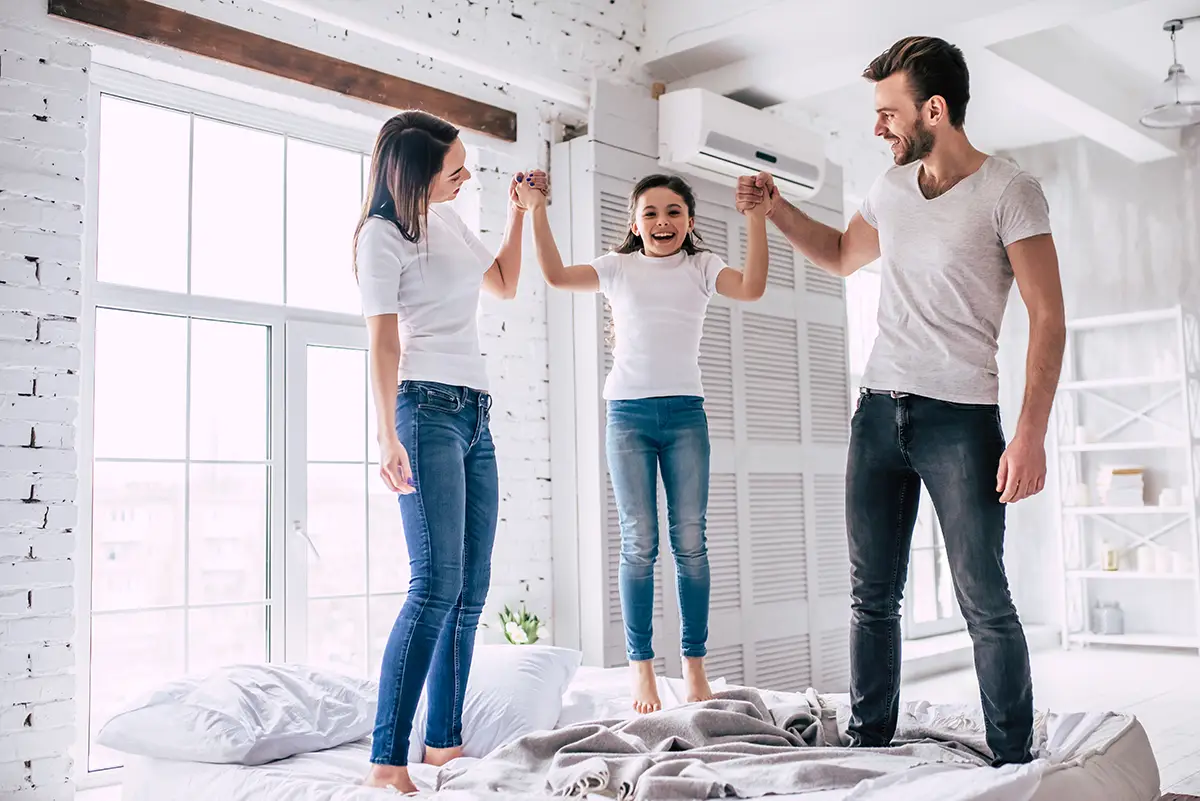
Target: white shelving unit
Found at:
1131, 417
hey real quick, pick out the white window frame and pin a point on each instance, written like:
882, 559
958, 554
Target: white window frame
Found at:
106, 80
302, 335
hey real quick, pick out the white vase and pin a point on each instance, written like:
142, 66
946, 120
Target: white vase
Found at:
1145, 560
1163, 562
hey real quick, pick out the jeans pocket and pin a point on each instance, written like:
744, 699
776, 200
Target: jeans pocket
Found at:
433, 399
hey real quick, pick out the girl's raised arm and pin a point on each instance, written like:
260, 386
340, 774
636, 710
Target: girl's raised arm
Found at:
576, 278
751, 282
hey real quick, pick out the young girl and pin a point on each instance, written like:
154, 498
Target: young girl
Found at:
659, 283
419, 272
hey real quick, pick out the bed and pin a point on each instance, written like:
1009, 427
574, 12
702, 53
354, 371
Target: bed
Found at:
1082, 756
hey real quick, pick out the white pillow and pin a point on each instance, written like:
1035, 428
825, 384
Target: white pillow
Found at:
512, 690
245, 714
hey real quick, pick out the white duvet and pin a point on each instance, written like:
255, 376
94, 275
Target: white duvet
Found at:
1064, 741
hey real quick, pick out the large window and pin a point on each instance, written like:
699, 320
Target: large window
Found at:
929, 606
180, 497
236, 513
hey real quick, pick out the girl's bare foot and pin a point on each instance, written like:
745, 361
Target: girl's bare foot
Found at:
394, 776
440, 756
696, 679
645, 687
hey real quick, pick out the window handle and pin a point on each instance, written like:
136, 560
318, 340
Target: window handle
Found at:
299, 529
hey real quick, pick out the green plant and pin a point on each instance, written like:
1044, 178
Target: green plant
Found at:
521, 628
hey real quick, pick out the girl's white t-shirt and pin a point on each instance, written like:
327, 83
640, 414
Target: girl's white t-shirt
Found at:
432, 286
658, 307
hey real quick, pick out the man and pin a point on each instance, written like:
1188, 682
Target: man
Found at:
953, 227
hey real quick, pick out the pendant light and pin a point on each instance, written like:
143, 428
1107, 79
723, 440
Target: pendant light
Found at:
1176, 101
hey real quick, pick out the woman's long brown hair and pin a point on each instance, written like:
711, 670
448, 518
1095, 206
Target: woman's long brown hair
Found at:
409, 154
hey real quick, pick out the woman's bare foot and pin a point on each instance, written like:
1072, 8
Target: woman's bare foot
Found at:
696, 679
645, 687
440, 756
394, 776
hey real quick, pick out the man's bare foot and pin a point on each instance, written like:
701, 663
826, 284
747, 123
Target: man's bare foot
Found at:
696, 679
645, 687
393, 776
440, 756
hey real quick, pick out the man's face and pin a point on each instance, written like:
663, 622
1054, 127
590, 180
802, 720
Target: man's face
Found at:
900, 121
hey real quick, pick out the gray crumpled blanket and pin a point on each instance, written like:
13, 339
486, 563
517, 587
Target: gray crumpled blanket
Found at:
732, 746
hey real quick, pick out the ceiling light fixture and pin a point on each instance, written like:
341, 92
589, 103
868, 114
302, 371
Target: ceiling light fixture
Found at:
1176, 101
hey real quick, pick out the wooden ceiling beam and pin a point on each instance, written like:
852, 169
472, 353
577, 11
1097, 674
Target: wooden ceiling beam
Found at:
150, 22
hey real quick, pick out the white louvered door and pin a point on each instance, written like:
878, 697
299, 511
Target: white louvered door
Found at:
777, 399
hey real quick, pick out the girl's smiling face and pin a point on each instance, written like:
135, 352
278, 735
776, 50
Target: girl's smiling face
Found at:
661, 221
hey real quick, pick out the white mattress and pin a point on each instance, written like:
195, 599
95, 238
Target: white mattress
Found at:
1087, 757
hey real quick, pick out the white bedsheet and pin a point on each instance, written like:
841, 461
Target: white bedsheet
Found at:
1083, 757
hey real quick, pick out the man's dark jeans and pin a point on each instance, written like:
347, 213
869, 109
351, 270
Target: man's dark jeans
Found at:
897, 442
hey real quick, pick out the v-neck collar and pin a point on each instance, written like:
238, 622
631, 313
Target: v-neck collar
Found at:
916, 181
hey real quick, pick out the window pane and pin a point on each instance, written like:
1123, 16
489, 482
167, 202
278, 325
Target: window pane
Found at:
925, 530
862, 311
141, 385
337, 398
226, 636
384, 610
228, 533
229, 391
337, 501
945, 586
137, 535
237, 212
389, 553
142, 230
922, 587
337, 635
324, 190
131, 654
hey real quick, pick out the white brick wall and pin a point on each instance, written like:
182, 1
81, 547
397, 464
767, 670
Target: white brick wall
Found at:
513, 336
43, 112
576, 38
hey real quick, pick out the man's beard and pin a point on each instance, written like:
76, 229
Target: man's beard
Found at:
917, 146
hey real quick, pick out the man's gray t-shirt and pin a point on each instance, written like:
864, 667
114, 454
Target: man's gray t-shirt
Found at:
946, 277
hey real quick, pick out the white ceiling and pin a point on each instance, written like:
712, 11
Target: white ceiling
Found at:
1041, 70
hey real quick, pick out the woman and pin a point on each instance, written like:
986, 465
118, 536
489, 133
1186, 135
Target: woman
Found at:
419, 272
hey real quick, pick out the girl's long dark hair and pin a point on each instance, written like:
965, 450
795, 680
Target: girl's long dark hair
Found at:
633, 243
409, 154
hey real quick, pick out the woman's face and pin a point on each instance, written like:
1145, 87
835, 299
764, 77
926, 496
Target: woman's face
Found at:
661, 220
453, 175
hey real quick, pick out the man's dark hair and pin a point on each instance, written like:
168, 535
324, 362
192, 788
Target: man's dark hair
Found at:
933, 67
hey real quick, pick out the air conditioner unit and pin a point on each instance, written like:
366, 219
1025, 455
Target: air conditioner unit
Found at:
710, 136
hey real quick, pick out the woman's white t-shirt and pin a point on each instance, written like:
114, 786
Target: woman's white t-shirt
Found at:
658, 308
432, 286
